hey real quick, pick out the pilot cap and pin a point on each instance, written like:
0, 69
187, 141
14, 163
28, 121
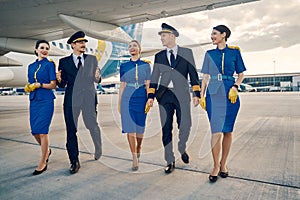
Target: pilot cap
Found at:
165, 28
77, 37
222, 29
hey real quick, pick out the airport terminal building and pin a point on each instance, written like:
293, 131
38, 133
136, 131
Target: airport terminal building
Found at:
274, 82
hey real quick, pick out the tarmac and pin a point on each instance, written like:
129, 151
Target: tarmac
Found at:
264, 162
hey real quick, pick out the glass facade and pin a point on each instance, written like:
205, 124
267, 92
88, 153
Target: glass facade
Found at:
267, 80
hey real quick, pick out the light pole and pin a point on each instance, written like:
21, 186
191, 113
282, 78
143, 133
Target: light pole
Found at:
274, 61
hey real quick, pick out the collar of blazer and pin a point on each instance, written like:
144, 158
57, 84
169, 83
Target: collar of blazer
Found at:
72, 61
84, 56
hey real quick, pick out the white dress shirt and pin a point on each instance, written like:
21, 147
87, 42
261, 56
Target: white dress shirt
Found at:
75, 59
175, 50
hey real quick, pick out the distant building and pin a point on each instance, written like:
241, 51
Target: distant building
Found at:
269, 82
274, 82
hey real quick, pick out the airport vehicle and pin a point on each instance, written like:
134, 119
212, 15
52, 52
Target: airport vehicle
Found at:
7, 91
247, 88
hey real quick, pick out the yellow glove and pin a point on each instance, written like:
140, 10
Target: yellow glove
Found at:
203, 103
30, 87
233, 94
147, 108
26, 88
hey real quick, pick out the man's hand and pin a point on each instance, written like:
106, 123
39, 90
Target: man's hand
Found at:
98, 73
58, 76
150, 102
148, 105
196, 101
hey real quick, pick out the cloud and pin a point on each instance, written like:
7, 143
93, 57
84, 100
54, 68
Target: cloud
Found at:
255, 26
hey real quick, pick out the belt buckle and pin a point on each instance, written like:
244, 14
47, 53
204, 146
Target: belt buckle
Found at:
136, 85
219, 77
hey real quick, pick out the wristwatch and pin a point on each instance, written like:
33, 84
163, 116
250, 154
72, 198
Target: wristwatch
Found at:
41, 85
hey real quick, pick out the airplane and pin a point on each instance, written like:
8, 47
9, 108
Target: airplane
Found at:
109, 55
24, 23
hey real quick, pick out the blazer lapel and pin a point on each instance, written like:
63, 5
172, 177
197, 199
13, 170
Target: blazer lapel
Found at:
178, 57
71, 63
165, 60
71, 67
85, 68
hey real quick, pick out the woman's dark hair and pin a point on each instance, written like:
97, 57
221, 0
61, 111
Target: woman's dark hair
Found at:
37, 44
222, 29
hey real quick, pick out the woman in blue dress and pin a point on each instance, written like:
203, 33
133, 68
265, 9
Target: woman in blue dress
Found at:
221, 102
135, 79
41, 81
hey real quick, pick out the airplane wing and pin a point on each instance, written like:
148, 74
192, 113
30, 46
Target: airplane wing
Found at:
3, 51
56, 19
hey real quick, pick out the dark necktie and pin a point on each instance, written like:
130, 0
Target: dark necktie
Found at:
172, 58
79, 62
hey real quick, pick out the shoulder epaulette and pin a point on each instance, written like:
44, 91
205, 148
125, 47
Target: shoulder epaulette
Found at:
51, 60
147, 61
234, 47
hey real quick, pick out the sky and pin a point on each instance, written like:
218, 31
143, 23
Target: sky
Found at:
267, 32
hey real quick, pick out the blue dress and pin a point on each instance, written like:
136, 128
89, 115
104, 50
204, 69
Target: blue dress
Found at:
134, 99
41, 100
221, 112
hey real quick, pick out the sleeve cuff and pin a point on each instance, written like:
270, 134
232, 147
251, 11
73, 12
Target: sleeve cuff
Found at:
196, 88
196, 94
150, 96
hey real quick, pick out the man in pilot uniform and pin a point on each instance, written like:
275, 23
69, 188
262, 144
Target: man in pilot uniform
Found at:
170, 85
79, 72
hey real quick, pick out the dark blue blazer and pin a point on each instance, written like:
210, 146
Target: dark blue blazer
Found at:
184, 65
79, 84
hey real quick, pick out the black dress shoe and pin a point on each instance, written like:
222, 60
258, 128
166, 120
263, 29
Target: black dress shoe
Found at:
36, 172
74, 167
223, 174
135, 168
212, 179
170, 168
48, 156
185, 158
98, 155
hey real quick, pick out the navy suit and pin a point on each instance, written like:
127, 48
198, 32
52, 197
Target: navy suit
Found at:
80, 96
176, 98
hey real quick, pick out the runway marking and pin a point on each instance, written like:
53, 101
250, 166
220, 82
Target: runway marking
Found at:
178, 168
